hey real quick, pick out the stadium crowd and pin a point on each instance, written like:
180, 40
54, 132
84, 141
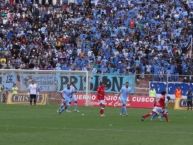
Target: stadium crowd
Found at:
102, 36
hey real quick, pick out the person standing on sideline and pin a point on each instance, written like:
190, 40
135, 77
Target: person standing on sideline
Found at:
14, 90
178, 93
33, 92
124, 93
66, 98
152, 92
101, 98
189, 99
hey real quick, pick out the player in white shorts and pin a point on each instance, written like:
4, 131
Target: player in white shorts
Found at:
66, 99
124, 94
74, 98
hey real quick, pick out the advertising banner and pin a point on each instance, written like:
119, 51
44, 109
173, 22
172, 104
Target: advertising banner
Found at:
56, 81
112, 100
23, 98
113, 83
180, 104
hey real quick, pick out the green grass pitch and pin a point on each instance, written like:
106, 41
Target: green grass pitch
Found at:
41, 125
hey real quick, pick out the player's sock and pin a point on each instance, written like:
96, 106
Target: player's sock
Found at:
122, 110
30, 101
166, 117
125, 110
160, 117
101, 111
67, 108
146, 115
75, 106
34, 101
154, 116
61, 109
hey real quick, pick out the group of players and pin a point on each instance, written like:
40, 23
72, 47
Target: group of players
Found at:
68, 97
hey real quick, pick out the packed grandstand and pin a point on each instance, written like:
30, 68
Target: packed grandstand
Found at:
111, 36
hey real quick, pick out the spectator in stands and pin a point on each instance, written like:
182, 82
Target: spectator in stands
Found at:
103, 36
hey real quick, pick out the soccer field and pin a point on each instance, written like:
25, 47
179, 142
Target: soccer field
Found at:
41, 125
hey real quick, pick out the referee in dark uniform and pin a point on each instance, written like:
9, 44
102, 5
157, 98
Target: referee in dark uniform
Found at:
189, 99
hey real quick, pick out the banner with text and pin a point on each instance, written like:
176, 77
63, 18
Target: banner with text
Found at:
180, 104
23, 98
112, 100
55, 81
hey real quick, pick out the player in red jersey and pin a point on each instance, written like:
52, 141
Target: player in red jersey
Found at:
145, 116
165, 111
101, 98
158, 110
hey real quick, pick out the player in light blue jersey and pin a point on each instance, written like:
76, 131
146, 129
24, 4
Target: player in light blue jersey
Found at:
73, 97
124, 93
66, 95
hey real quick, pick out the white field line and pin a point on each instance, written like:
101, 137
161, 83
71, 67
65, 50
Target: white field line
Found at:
102, 130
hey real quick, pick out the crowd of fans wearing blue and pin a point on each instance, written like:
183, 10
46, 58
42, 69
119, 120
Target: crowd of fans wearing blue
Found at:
108, 36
